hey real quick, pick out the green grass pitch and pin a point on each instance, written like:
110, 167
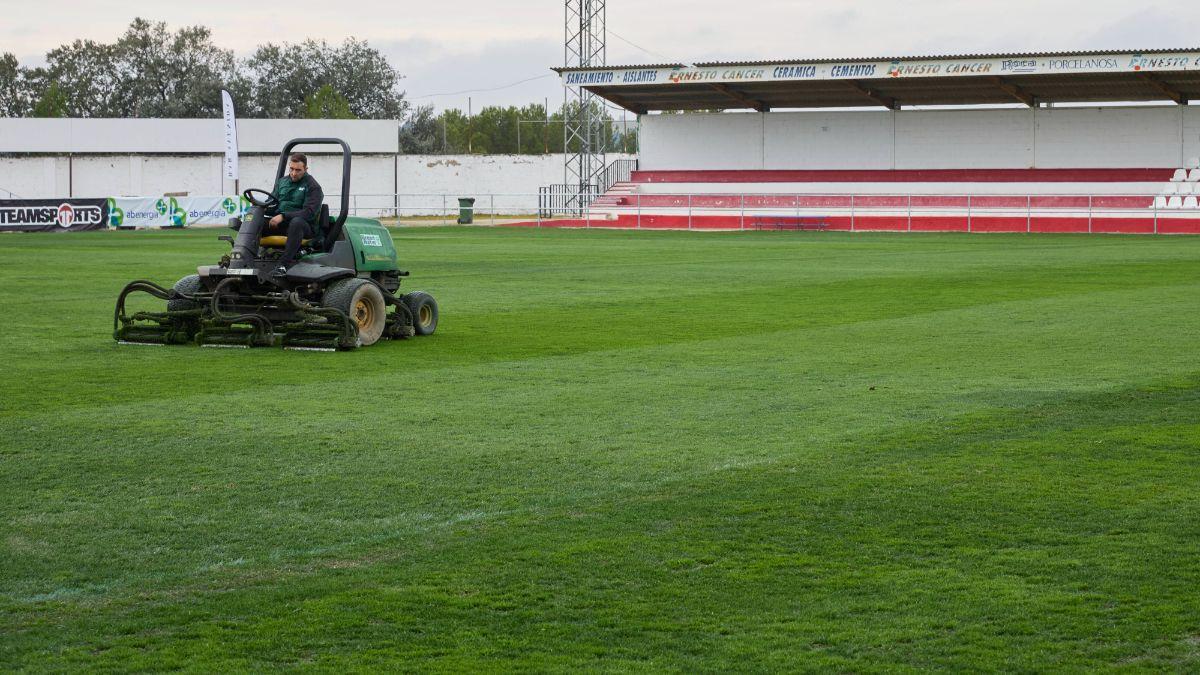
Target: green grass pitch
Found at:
648, 451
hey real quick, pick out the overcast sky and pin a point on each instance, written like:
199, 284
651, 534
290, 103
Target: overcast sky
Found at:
481, 46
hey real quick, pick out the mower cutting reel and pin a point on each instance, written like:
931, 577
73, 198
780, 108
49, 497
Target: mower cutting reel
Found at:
335, 297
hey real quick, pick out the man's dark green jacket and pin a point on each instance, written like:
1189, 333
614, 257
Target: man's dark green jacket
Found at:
302, 198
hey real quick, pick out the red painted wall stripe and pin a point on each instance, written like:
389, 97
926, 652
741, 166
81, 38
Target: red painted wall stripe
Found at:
951, 223
1145, 175
736, 202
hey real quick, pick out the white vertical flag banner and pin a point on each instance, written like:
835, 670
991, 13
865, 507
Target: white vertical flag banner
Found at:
231, 146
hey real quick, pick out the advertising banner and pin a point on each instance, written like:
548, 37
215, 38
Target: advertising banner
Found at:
942, 67
135, 212
52, 215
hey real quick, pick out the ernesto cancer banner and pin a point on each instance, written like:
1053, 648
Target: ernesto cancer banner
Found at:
52, 215
174, 211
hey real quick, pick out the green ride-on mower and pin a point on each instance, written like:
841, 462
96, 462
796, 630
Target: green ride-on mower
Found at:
336, 296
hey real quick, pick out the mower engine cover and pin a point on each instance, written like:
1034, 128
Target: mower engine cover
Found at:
372, 245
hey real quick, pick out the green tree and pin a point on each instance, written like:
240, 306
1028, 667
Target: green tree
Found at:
457, 127
284, 76
613, 135
89, 76
534, 130
368, 80
273, 84
327, 104
495, 130
164, 74
150, 71
623, 135
53, 103
147, 72
421, 132
15, 96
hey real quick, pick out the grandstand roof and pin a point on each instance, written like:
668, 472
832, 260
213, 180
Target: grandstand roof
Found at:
892, 82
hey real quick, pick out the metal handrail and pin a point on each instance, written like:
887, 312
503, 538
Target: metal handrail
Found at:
617, 171
555, 202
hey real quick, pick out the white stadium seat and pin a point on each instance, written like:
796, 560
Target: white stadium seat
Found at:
1193, 163
1160, 202
1180, 175
1168, 189
1184, 189
1189, 202
1175, 203
1194, 175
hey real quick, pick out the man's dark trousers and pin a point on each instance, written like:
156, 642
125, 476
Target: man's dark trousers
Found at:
298, 229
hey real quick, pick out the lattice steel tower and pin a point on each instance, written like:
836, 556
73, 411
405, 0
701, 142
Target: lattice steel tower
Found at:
583, 112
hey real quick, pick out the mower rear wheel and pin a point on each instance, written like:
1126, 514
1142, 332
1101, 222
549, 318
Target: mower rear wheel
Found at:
362, 301
189, 285
424, 312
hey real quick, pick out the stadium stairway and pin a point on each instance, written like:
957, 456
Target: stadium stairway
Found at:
618, 195
1139, 200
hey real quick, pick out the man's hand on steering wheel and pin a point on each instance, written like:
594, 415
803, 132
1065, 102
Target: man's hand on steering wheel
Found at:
266, 202
270, 202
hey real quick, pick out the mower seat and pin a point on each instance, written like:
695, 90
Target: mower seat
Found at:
280, 240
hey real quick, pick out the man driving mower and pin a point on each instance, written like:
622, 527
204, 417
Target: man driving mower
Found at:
300, 198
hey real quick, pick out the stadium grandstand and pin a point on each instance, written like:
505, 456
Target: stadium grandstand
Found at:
1101, 142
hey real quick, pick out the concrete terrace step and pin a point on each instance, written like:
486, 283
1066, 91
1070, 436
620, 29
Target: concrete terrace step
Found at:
617, 195
609, 200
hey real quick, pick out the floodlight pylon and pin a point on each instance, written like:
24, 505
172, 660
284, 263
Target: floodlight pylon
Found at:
584, 142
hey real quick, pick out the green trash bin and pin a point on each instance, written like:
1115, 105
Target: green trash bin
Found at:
466, 210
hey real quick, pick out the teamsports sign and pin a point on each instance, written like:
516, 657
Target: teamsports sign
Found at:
899, 68
52, 215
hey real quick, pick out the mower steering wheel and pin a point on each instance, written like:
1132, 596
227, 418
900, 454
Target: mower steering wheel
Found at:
269, 203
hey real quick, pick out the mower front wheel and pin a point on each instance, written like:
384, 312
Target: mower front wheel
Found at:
187, 285
362, 301
424, 311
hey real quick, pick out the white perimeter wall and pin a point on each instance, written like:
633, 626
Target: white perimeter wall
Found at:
924, 139
421, 179
96, 135
153, 175
500, 183
46, 158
